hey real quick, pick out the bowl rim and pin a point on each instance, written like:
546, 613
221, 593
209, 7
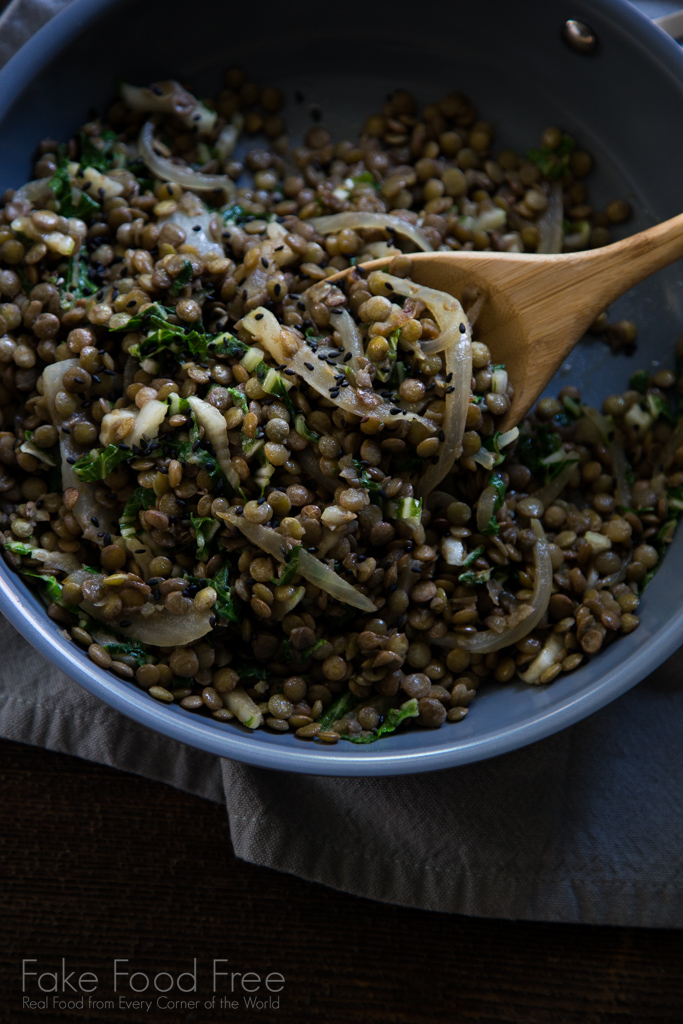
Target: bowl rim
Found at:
21, 608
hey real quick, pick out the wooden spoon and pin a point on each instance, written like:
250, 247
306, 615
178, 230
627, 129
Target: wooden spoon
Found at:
538, 306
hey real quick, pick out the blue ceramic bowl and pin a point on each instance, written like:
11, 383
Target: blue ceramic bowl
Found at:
621, 101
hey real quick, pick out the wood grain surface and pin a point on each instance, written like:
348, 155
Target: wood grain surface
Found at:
99, 865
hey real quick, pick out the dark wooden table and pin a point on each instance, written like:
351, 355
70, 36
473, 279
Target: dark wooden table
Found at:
99, 865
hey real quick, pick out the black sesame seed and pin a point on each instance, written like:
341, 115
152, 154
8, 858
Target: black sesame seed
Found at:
258, 316
462, 328
95, 521
309, 366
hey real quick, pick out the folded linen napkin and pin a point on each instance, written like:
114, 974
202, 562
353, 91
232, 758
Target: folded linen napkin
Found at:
585, 826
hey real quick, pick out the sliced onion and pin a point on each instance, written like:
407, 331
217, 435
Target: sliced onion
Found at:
215, 428
473, 312
485, 507
621, 468
290, 351
308, 566
56, 561
378, 250
36, 192
352, 220
170, 98
458, 359
553, 651
607, 582
446, 310
151, 624
524, 618
550, 225
552, 490
351, 337
243, 708
142, 551
602, 424
227, 140
86, 508
671, 446
341, 320
178, 173
198, 223
148, 421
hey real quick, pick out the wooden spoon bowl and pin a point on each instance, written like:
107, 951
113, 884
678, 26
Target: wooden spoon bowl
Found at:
537, 307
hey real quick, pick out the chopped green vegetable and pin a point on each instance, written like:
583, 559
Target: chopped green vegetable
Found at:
366, 178
393, 719
141, 498
337, 709
473, 556
132, 652
171, 340
408, 508
236, 214
73, 202
18, 547
492, 444
290, 569
176, 404
640, 381
99, 157
239, 399
496, 481
301, 428
30, 446
194, 453
183, 277
51, 586
100, 462
226, 606
475, 579
573, 407
553, 163
154, 315
533, 449
385, 374
77, 283
658, 406
308, 651
373, 487
205, 529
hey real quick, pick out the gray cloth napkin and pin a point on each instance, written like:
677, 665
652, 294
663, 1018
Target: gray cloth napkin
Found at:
586, 826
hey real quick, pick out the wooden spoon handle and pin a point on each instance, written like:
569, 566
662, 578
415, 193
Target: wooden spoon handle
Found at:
624, 264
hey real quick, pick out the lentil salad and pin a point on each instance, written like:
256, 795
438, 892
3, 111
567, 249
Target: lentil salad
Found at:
275, 498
